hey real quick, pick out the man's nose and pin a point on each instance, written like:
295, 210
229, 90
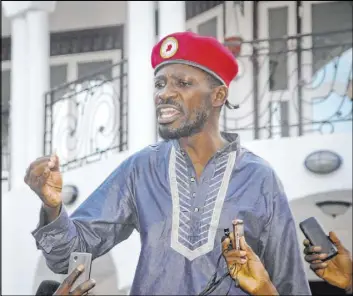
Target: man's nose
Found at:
165, 94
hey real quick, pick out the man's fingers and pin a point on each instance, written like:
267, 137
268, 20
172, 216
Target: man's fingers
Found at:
33, 180
317, 266
306, 243
36, 167
313, 257
236, 253
241, 241
37, 180
84, 287
333, 237
225, 245
54, 163
249, 251
243, 244
39, 170
26, 178
69, 281
232, 239
39, 161
312, 249
236, 259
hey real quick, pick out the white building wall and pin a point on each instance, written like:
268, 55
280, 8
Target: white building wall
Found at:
285, 155
76, 15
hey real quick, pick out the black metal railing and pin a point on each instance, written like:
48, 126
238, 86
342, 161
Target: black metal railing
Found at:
292, 86
87, 118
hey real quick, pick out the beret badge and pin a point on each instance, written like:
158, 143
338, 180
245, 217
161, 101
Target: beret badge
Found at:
169, 47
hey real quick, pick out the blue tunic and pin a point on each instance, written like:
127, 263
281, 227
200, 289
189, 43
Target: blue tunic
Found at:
181, 220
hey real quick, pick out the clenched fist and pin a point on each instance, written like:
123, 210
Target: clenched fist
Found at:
44, 178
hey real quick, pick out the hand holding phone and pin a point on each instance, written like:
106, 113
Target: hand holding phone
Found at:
317, 237
76, 259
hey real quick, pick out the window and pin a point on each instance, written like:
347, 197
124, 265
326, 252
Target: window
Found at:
5, 113
87, 68
208, 28
195, 8
58, 76
340, 15
5, 89
277, 28
279, 119
156, 22
208, 23
332, 113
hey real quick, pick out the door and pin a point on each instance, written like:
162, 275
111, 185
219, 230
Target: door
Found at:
277, 63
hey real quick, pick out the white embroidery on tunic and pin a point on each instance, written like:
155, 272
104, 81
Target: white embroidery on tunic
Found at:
182, 239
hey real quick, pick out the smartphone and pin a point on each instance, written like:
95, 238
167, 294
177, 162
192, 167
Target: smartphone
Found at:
317, 237
77, 258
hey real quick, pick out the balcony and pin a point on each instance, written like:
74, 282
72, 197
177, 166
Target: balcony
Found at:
288, 87
87, 119
293, 86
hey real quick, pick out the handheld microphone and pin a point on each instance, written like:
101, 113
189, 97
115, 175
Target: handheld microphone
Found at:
47, 288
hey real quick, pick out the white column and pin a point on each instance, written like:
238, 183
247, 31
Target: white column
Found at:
18, 101
39, 77
28, 79
171, 17
140, 41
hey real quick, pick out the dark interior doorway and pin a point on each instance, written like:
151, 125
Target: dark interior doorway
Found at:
323, 288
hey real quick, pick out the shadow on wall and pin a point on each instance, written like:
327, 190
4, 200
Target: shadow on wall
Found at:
103, 271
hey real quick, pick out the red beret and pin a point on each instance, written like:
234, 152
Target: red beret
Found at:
205, 53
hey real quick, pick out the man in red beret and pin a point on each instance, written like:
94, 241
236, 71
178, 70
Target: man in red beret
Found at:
181, 193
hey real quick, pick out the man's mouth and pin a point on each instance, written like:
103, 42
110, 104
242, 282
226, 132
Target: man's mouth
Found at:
167, 114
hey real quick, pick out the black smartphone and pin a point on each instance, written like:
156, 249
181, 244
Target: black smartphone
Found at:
317, 237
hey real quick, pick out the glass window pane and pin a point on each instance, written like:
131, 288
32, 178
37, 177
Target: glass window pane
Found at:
5, 102
208, 28
5, 88
88, 68
278, 27
339, 14
58, 76
279, 113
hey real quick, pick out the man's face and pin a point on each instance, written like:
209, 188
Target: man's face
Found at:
183, 100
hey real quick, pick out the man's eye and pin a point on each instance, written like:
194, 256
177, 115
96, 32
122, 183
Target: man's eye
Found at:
184, 83
158, 84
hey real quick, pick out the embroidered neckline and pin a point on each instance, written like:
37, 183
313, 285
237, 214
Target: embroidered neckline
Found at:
182, 205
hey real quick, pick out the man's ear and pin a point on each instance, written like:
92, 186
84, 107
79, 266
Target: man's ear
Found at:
220, 95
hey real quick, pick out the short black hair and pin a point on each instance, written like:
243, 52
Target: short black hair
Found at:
213, 81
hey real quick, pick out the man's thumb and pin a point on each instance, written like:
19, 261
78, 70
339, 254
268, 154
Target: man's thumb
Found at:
336, 241
244, 246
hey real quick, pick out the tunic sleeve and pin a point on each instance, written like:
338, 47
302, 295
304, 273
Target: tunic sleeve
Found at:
106, 218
